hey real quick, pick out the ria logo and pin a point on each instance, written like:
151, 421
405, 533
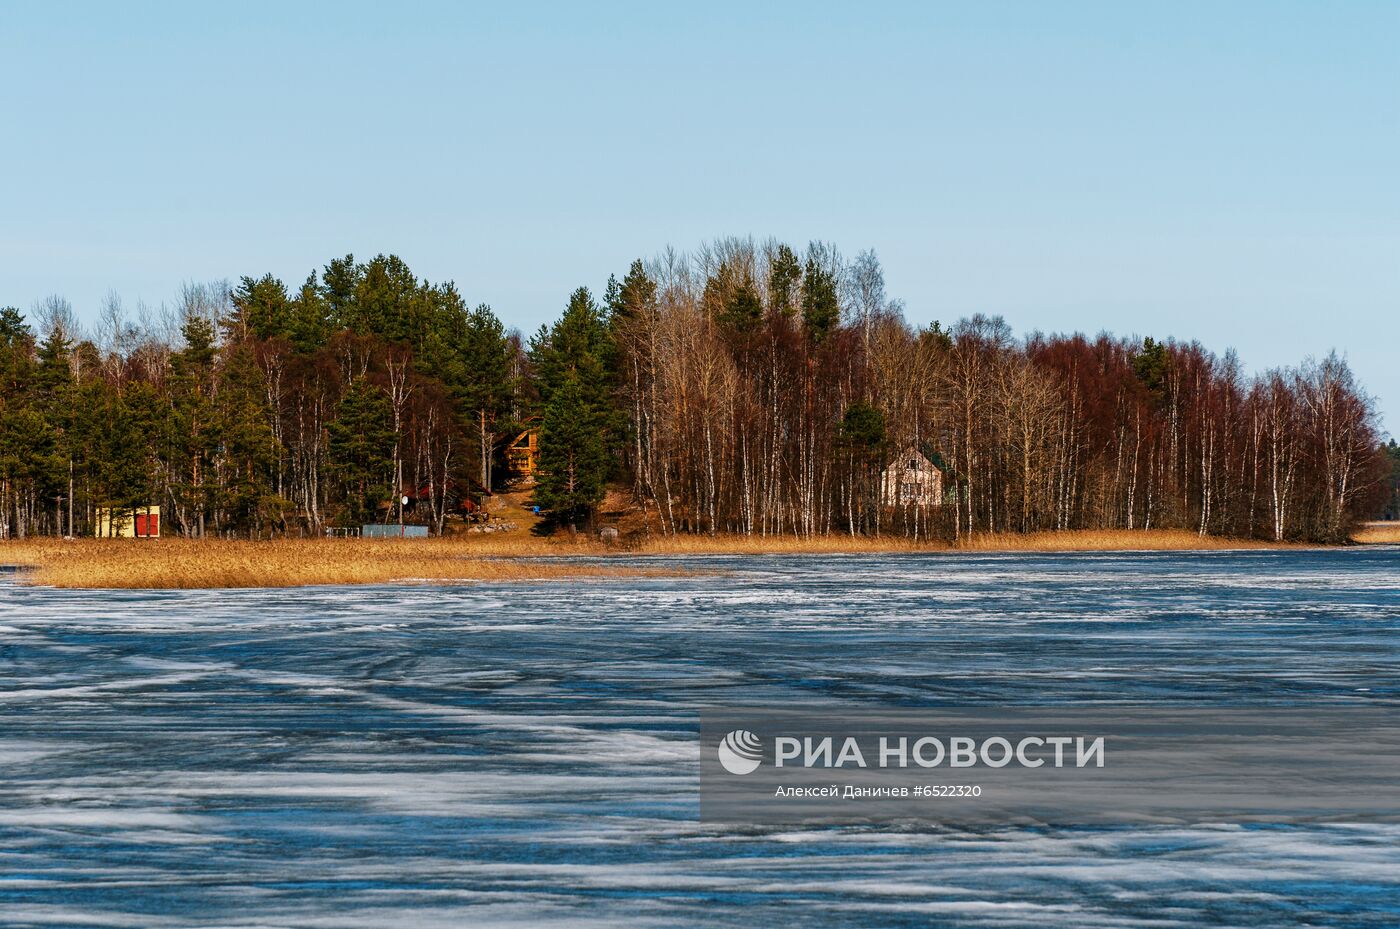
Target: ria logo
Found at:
740, 752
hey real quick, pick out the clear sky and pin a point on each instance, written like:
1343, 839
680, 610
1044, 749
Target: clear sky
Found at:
1228, 172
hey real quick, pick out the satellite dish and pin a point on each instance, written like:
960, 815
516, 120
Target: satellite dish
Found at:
404, 499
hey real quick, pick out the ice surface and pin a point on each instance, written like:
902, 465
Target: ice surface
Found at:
525, 754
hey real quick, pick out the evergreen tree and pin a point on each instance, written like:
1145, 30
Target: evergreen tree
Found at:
1391, 509
12, 327
634, 298
53, 400
862, 438
309, 318
16, 346
261, 310
1151, 365
442, 350
631, 308
573, 457
389, 302
339, 284
26, 455
361, 443
821, 307
192, 428
579, 421
54, 375
784, 274
484, 392
87, 419
248, 449
863, 430
742, 309
123, 453
576, 345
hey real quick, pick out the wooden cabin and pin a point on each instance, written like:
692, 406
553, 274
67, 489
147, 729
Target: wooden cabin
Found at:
523, 454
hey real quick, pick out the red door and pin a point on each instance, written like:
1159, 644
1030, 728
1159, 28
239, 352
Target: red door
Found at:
140, 525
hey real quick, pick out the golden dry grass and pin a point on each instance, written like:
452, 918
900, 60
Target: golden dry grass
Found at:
1082, 540
182, 563
1378, 534
167, 563
834, 544
1110, 540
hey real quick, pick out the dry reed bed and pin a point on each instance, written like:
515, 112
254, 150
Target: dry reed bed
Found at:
182, 563
1375, 534
1080, 540
1112, 540
834, 544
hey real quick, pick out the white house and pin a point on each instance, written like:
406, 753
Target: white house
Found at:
911, 480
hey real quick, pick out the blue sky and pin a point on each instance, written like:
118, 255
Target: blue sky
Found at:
1223, 172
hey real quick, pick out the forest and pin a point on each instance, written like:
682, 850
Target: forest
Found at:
747, 387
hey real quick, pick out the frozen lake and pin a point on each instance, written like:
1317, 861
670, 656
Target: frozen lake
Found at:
526, 754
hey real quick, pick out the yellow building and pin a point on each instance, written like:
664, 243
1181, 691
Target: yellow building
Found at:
523, 455
141, 523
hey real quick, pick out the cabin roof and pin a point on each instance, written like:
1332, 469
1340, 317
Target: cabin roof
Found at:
928, 459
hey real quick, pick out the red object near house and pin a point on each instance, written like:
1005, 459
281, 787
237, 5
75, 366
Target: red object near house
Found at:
147, 525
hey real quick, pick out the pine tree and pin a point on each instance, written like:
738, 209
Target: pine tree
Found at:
248, 449
26, 457
580, 422
743, 309
784, 274
576, 344
361, 442
192, 429
389, 302
53, 399
16, 348
1151, 365
573, 458
1392, 500
261, 310
862, 438
309, 318
54, 376
821, 307
339, 282
635, 297
122, 456
485, 391
12, 327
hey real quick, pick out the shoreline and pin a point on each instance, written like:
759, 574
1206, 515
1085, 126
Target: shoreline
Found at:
177, 563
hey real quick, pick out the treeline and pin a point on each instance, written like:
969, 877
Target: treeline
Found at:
745, 388
1391, 509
